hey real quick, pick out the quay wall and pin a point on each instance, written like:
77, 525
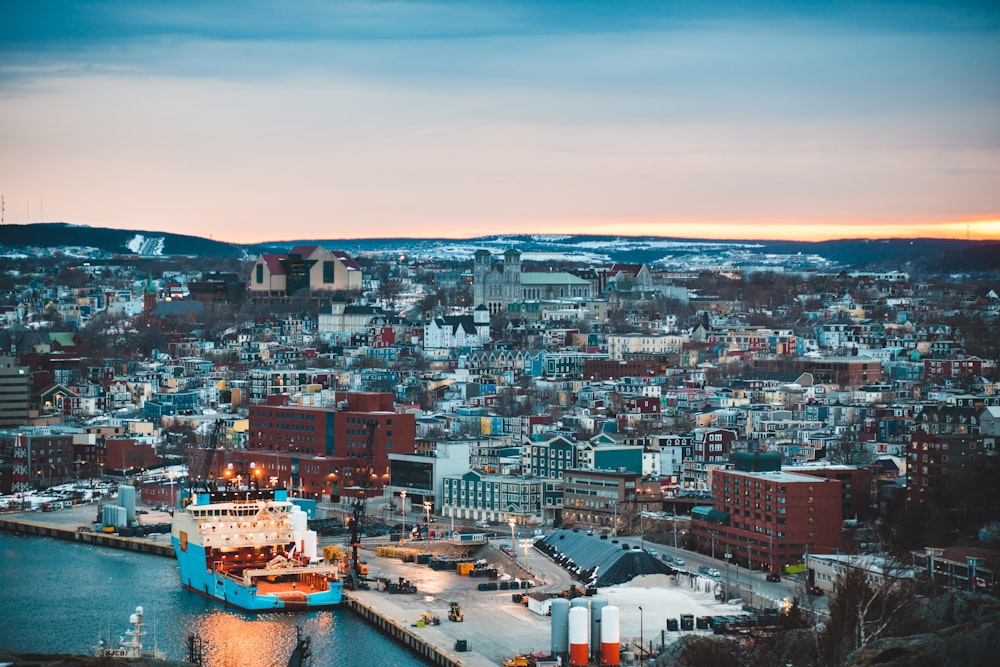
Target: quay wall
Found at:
384, 624
401, 634
87, 537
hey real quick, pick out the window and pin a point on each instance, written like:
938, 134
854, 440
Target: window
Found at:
260, 273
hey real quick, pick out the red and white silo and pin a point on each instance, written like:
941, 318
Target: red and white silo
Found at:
579, 627
610, 636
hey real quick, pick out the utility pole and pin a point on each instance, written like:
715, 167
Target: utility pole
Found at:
728, 556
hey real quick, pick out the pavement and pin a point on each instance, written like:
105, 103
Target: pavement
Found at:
495, 627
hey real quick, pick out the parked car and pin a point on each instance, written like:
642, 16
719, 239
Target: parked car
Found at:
667, 558
703, 569
712, 572
815, 590
678, 561
771, 576
651, 552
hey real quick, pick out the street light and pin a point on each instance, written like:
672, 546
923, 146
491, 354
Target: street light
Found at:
642, 651
513, 546
727, 557
675, 533
642, 533
402, 510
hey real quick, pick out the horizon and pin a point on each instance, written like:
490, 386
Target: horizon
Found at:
766, 121
720, 239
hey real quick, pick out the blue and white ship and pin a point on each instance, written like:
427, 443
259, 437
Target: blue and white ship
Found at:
252, 550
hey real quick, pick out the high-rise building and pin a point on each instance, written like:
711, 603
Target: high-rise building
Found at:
15, 392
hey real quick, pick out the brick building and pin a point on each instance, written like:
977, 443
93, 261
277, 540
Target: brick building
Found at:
948, 470
855, 486
769, 519
318, 448
608, 500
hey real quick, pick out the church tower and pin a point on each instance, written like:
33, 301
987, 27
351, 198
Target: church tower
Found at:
148, 297
480, 274
511, 277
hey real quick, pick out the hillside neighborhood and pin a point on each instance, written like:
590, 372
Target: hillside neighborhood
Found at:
770, 415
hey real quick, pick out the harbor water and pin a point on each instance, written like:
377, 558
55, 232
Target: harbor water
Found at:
62, 597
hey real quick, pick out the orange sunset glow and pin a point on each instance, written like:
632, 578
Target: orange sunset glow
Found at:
373, 120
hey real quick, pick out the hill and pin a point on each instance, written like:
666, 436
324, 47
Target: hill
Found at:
918, 254
112, 241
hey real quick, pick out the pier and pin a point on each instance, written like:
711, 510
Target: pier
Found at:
86, 536
422, 645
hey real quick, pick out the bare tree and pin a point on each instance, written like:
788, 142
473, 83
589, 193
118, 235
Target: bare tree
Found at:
862, 611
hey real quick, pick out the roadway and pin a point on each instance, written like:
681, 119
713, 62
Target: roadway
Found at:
753, 586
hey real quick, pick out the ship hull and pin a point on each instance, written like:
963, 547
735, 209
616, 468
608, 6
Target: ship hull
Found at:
234, 593
195, 577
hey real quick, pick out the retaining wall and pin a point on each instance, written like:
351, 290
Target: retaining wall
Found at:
401, 634
87, 537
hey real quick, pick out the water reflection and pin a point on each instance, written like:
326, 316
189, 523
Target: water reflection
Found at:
235, 640
60, 597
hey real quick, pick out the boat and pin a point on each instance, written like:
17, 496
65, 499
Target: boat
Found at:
251, 549
130, 646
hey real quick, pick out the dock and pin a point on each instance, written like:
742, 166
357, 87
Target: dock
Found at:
495, 627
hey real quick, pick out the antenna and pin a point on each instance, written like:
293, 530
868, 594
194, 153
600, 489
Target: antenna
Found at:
3, 207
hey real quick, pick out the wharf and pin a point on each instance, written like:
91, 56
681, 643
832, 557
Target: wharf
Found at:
74, 525
494, 627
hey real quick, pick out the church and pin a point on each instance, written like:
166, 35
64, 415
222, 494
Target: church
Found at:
502, 286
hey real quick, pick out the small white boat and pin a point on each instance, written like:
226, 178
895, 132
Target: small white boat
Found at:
129, 646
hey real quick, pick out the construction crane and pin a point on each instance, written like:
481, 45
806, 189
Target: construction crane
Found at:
359, 505
206, 468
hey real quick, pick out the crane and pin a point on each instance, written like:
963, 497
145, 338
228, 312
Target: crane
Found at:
206, 468
359, 505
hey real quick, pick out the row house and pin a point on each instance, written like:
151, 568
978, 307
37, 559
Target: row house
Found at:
620, 346
949, 419
953, 368
781, 426
756, 340
635, 366
562, 365
550, 458
270, 382
494, 362
456, 332
476, 495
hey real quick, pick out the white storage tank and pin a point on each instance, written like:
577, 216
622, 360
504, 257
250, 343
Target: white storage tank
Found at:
597, 605
560, 626
126, 499
610, 636
579, 628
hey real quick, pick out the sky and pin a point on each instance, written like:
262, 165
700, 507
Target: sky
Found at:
263, 120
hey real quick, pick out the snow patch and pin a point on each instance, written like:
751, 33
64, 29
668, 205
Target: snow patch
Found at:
146, 246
